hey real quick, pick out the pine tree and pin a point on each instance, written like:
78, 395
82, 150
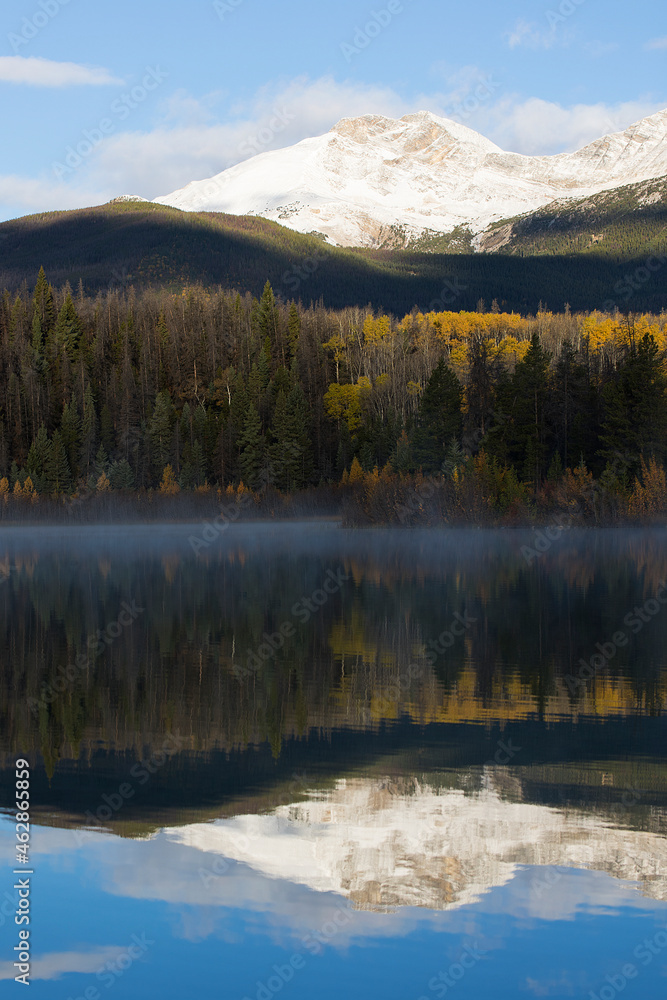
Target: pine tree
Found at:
88, 433
268, 316
160, 431
37, 345
252, 447
42, 303
121, 476
571, 413
293, 330
57, 474
635, 403
107, 432
70, 432
101, 462
37, 458
483, 374
69, 328
439, 418
529, 390
198, 463
281, 451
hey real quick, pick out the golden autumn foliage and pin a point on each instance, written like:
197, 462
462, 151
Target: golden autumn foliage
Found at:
648, 499
169, 486
103, 485
356, 472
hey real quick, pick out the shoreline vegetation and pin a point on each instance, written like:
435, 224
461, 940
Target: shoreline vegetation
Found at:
161, 406
476, 494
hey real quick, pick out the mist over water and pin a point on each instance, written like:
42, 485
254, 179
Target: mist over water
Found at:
371, 750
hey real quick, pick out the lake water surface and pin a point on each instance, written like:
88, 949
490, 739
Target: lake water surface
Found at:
293, 760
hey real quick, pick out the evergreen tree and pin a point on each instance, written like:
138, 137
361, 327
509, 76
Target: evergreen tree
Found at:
483, 377
268, 316
252, 449
101, 462
42, 303
160, 432
37, 459
70, 432
38, 346
88, 433
284, 452
528, 391
57, 474
69, 328
121, 476
439, 418
107, 431
293, 331
635, 405
572, 413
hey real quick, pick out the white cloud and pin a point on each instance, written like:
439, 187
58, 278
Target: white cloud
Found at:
46, 73
32, 194
536, 127
57, 964
529, 35
190, 142
186, 145
657, 43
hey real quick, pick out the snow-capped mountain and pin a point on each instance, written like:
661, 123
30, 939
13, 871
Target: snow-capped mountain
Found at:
381, 843
371, 177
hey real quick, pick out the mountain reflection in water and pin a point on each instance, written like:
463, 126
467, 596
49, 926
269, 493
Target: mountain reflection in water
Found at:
415, 749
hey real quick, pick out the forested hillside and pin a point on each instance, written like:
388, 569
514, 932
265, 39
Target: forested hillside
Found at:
189, 391
147, 246
625, 223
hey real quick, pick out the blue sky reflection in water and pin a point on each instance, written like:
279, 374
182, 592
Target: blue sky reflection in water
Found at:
320, 827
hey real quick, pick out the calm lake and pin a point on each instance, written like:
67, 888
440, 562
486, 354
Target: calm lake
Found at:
291, 760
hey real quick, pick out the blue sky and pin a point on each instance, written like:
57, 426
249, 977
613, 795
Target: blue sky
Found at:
102, 98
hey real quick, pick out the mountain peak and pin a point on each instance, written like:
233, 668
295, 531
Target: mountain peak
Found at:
372, 179
413, 132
